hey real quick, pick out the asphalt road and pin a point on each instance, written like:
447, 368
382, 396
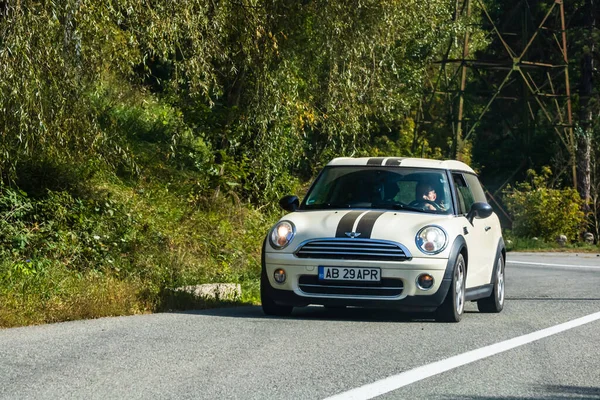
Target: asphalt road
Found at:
317, 353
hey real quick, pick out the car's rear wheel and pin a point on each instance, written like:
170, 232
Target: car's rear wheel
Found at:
268, 304
495, 302
453, 306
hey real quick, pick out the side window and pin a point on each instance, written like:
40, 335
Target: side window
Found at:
463, 194
475, 186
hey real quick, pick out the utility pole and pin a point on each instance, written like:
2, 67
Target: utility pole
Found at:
459, 144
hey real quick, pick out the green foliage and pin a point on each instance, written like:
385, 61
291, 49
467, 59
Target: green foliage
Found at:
119, 249
278, 88
139, 118
144, 145
43, 291
542, 212
518, 243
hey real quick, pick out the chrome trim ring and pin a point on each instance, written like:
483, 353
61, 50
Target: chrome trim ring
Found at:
273, 245
421, 287
431, 253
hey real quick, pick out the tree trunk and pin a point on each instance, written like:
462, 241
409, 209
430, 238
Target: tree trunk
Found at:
584, 137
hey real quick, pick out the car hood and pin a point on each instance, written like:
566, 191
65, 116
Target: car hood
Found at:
396, 226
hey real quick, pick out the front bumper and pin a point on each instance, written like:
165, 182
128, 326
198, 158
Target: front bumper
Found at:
411, 297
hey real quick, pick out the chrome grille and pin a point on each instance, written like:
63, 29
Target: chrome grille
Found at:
388, 287
353, 249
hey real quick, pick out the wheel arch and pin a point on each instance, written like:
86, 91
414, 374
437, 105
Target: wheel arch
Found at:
459, 246
465, 254
500, 252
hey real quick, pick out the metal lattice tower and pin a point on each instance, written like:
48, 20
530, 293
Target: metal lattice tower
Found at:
523, 73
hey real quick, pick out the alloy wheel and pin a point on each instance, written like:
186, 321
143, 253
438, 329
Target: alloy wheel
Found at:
500, 281
459, 288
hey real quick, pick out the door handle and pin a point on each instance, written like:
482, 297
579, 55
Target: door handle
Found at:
487, 228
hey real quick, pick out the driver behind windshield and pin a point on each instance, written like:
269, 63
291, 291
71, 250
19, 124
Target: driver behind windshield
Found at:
426, 197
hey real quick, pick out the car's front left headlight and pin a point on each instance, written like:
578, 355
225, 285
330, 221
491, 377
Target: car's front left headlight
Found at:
431, 239
282, 234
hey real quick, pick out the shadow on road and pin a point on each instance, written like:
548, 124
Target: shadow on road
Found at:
233, 310
546, 392
319, 313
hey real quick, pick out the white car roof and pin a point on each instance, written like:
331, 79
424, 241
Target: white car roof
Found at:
402, 162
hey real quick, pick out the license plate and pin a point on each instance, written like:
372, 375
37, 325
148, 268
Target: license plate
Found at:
349, 274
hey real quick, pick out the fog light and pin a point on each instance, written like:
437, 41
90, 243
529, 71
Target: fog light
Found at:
425, 281
279, 275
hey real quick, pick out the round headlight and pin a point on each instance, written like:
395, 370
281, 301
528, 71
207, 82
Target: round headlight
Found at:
282, 234
431, 240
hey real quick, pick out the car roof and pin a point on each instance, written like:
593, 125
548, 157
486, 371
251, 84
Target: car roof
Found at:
401, 162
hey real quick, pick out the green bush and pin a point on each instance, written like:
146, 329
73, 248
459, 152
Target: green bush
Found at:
121, 245
542, 212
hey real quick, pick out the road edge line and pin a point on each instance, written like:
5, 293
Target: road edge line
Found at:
394, 382
552, 265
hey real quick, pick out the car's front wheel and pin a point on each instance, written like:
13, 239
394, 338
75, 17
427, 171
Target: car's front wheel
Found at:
268, 304
453, 306
495, 302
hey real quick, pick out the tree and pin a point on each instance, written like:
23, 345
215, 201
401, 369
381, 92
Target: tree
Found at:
586, 104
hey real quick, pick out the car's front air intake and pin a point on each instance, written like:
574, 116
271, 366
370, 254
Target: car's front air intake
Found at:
388, 287
353, 249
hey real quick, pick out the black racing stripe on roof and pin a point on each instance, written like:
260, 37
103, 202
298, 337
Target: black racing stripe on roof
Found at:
347, 223
366, 223
394, 162
375, 161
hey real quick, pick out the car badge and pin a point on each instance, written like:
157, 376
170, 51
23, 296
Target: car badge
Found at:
353, 234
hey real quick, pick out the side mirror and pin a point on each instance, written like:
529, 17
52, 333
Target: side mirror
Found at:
289, 203
479, 210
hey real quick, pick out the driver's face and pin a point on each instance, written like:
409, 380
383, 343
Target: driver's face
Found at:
430, 195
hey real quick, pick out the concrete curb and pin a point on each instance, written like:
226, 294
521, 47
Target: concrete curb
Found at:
214, 291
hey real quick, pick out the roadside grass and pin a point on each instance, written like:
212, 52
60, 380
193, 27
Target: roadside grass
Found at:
538, 245
118, 246
124, 258
88, 238
54, 294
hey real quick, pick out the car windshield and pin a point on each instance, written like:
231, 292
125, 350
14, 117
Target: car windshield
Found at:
393, 188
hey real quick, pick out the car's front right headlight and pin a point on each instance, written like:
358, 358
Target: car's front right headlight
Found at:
431, 239
282, 234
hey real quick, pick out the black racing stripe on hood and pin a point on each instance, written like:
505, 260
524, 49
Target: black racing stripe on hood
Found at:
366, 223
347, 223
375, 161
394, 162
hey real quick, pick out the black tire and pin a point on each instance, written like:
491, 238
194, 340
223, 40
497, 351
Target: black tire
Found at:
269, 306
495, 302
453, 306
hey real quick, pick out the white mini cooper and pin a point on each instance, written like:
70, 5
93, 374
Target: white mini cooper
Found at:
404, 233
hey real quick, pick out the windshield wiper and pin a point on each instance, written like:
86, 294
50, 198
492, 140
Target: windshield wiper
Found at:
336, 205
326, 206
398, 206
392, 206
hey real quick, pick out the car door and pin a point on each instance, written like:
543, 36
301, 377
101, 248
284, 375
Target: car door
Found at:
474, 234
491, 226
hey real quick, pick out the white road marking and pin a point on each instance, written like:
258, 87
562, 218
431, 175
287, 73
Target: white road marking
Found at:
394, 382
552, 265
